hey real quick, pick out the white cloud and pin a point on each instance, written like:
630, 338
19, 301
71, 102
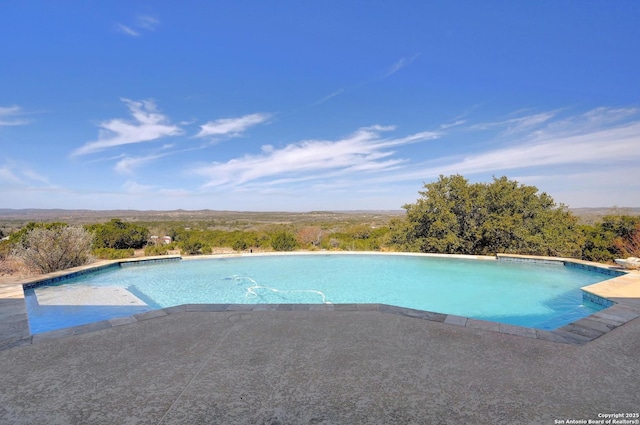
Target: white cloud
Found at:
147, 22
363, 151
617, 144
231, 127
131, 186
8, 176
593, 120
573, 141
36, 177
515, 125
400, 64
20, 175
127, 30
9, 116
603, 116
142, 23
148, 125
452, 124
128, 164
330, 96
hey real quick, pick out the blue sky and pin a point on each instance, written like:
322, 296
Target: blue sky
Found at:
299, 106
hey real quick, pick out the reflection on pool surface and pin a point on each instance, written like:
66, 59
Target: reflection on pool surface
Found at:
543, 296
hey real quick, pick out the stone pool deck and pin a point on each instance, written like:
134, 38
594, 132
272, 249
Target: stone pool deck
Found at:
315, 364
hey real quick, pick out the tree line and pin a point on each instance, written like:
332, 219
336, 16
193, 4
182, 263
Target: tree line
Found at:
451, 216
457, 217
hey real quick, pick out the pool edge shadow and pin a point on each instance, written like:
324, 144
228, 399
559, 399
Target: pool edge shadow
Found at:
577, 333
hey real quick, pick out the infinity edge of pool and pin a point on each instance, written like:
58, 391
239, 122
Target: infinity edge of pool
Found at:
621, 292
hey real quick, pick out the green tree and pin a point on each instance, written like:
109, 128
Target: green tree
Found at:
359, 231
192, 246
18, 239
456, 217
239, 245
119, 235
605, 241
5, 250
446, 218
283, 241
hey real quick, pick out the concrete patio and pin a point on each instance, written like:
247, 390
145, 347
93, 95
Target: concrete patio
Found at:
315, 364
314, 367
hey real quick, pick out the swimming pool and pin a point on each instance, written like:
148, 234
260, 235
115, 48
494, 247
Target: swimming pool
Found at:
542, 296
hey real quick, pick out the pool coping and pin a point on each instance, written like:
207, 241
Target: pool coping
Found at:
621, 293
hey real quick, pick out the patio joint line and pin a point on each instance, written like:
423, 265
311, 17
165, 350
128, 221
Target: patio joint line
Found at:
193, 378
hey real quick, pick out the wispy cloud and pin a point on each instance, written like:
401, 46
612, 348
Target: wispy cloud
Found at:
7, 175
452, 124
14, 174
330, 96
364, 151
10, 116
231, 127
571, 141
149, 23
127, 30
607, 145
402, 63
515, 125
142, 23
147, 125
127, 165
603, 116
131, 186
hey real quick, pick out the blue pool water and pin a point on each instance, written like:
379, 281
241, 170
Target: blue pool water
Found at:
532, 295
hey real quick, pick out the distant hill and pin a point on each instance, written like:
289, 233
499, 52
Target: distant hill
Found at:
15, 218
586, 215
60, 213
605, 211
593, 215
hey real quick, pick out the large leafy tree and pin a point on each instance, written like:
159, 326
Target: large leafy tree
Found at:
454, 216
119, 235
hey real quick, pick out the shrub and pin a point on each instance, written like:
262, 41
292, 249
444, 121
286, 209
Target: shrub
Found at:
152, 250
629, 246
48, 250
119, 235
191, 247
359, 231
309, 236
612, 238
112, 253
239, 245
19, 238
5, 250
283, 241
